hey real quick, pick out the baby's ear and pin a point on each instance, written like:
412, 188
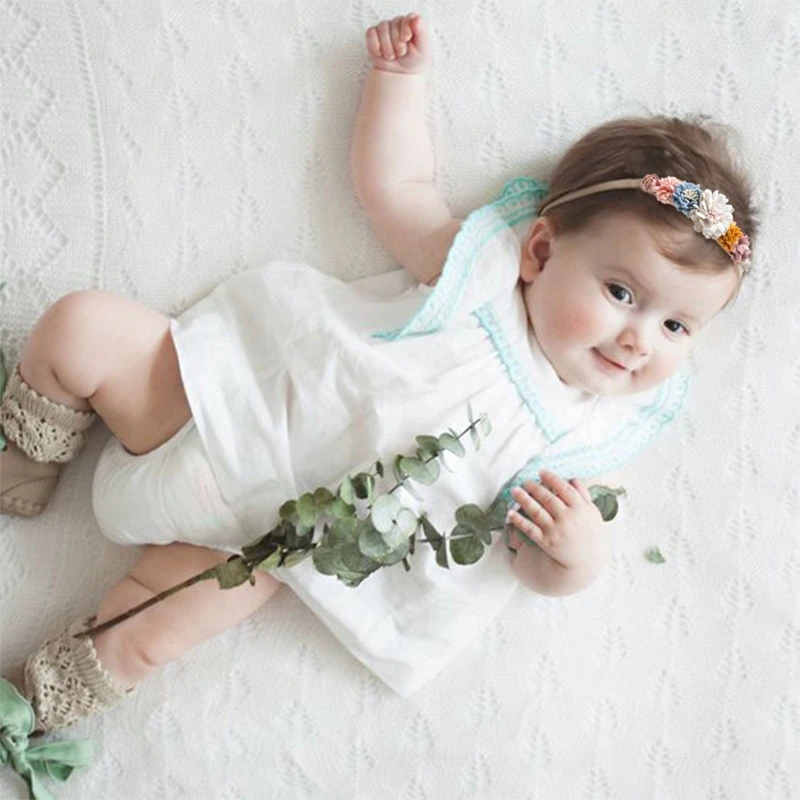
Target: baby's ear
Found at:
536, 248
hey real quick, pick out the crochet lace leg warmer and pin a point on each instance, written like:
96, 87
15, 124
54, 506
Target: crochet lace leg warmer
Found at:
43, 429
65, 681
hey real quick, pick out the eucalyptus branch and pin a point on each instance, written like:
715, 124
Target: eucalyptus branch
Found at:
352, 547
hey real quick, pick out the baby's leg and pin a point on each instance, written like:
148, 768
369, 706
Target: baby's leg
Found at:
134, 649
65, 683
97, 350
91, 354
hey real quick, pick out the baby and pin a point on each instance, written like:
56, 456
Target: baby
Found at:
565, 313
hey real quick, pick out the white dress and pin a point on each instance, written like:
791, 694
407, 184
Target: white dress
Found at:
296, 379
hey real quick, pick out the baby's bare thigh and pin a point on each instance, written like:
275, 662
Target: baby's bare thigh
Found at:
140, 396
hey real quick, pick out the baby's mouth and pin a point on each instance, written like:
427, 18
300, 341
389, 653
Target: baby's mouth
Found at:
608, 363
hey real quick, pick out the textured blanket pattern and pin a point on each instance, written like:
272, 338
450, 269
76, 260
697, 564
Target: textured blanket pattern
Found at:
155, 147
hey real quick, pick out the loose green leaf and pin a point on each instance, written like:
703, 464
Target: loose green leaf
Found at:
653, 555
605, 499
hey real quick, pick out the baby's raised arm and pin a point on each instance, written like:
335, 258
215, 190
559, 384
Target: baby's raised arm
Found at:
392, 157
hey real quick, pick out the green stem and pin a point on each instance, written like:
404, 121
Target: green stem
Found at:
432, 458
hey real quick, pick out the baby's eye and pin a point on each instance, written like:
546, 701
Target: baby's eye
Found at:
679, 324
613, 286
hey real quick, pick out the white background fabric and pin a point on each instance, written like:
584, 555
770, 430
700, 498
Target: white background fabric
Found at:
154, 148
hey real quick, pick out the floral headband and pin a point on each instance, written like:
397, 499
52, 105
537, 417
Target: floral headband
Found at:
710, 212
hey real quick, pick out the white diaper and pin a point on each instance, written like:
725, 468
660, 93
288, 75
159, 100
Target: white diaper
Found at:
167, 495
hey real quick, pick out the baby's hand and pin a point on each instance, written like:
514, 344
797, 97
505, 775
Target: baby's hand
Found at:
399, 45
562, 519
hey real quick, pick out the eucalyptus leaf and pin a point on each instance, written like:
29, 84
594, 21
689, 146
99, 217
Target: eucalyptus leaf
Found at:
396, 555
232, 573
429, 445
433, 467
653, 555
379, 468
466, 551
417, 470
341, 510
470, 413
606, 500
496, 514
355, 561
346, 491
296, 557
411, 490
384, 511
288, 511
371, 543
322, 497
472, 517
484, 426
441, 555
476, 440
307, 510
270, 562
327, 559
399, 475
451, 443
431, 534
407, 522
342, 531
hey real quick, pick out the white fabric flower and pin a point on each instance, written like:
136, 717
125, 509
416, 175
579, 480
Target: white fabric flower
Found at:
713, 214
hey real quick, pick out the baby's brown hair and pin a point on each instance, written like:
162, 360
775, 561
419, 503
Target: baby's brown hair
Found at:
692, 149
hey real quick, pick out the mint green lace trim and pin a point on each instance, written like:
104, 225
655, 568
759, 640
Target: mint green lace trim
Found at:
628, 440
518, 200
516, 373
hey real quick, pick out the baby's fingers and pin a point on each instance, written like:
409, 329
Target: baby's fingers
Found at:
385, 38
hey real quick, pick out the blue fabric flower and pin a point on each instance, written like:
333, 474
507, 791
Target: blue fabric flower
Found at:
686, 196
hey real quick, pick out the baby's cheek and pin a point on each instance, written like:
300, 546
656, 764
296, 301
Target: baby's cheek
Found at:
578, 322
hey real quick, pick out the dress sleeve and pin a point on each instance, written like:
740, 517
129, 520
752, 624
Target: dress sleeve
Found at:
483, 261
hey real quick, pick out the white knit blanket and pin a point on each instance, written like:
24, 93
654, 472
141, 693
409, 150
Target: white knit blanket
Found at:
155, 147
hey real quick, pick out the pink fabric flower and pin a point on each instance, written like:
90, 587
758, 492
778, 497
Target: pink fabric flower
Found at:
741, 250
650, 183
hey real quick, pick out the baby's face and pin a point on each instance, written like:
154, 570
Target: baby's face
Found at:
607, 293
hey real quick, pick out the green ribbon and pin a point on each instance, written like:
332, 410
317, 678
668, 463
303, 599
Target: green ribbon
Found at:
55, 759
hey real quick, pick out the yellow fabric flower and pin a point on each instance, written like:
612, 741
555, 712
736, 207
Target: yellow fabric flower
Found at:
730, 237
